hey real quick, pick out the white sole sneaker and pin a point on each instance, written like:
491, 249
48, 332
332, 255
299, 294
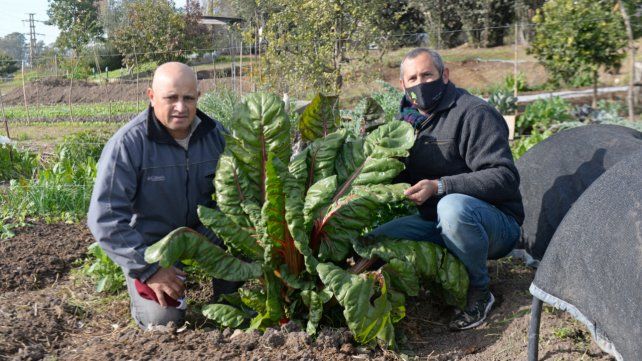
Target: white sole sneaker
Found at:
486, 310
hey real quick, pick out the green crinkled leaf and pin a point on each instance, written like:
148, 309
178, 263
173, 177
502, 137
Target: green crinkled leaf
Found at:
278, 234
402, 276
292, 281
321, 156
349, 159
232, 189
320, 118
315, 301
453, 278
319, 197
294, 189
345, 220
366, 320
259, 126
186, 244
225, 315
392, 139
254, 299
431, 262
233, 235
373, 161
373, 116
398, 302
273, 303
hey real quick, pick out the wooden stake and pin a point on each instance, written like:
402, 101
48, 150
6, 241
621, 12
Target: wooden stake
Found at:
24, 91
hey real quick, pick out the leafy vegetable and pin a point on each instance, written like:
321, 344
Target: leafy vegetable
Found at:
296, 220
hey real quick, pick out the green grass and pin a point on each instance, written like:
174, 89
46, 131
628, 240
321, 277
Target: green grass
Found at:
87, 110
142, 69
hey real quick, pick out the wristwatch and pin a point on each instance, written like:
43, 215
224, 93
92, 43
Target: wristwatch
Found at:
440, 188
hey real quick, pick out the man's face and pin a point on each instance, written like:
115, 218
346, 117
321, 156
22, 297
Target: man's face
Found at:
420, 70
174, 100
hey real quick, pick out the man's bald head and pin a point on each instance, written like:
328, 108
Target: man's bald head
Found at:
173, 96
172, 72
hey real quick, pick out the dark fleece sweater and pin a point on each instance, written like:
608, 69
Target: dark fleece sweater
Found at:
465, 143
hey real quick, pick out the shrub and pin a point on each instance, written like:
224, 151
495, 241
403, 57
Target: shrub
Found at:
541, 114
504, 101
509, 82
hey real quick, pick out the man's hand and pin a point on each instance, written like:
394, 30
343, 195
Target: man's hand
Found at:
166, 282
422, 191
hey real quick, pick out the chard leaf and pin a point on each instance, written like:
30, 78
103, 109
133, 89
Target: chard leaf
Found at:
320, 118
344, 221
373, 116
186, 244
402, 276
366, 320
273, 303
431, 262
260, 126
232, 190
375, 155
225, 315
294, 189
319, 196
315, 301
254, 299
453, 279
232, 234
321, 156
292, 281
277, 233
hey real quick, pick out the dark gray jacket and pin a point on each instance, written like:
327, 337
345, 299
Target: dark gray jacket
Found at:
148, 185
466, 145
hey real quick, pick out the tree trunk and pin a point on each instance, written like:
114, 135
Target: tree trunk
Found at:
629, 34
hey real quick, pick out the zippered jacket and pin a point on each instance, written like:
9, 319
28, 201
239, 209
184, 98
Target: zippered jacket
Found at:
148, 185
465, 143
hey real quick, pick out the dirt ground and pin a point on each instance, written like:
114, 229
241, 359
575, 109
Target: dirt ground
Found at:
49, 312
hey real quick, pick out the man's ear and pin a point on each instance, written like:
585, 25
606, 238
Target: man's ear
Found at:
401, 84
150, 95
446, 75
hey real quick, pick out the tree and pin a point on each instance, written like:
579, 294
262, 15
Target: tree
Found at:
13, 45
310, 42
8, 64
575, 38
485, 22
78, 21
154, 30
400, 23
443, 24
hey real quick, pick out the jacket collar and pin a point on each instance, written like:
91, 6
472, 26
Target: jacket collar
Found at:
157, 132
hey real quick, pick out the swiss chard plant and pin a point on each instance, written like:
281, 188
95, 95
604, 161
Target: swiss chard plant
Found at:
294, 224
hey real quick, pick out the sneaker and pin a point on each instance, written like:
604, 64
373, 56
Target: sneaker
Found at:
479, 304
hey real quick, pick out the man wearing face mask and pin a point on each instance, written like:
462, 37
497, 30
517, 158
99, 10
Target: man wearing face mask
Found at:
463, 179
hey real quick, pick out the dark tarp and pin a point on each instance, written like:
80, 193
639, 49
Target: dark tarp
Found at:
593, 266
555, 172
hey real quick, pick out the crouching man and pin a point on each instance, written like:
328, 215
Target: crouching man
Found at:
463, 178
152, 175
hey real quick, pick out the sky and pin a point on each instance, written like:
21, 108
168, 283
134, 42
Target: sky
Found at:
12, 12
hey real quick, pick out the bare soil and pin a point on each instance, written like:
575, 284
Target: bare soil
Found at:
57, 315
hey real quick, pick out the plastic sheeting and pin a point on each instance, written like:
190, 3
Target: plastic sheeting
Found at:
555, 172
593, 265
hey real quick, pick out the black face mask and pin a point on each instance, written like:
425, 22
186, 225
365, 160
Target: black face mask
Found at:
426, 96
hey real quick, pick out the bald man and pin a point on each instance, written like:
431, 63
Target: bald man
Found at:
152, 175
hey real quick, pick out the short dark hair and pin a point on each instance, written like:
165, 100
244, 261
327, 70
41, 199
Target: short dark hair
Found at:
436, 59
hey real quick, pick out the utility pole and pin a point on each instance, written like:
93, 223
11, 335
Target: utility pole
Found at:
32, 37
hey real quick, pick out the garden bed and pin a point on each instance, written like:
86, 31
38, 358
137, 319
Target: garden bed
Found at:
58, 315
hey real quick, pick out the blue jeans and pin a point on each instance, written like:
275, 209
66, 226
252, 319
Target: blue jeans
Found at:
469, 228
